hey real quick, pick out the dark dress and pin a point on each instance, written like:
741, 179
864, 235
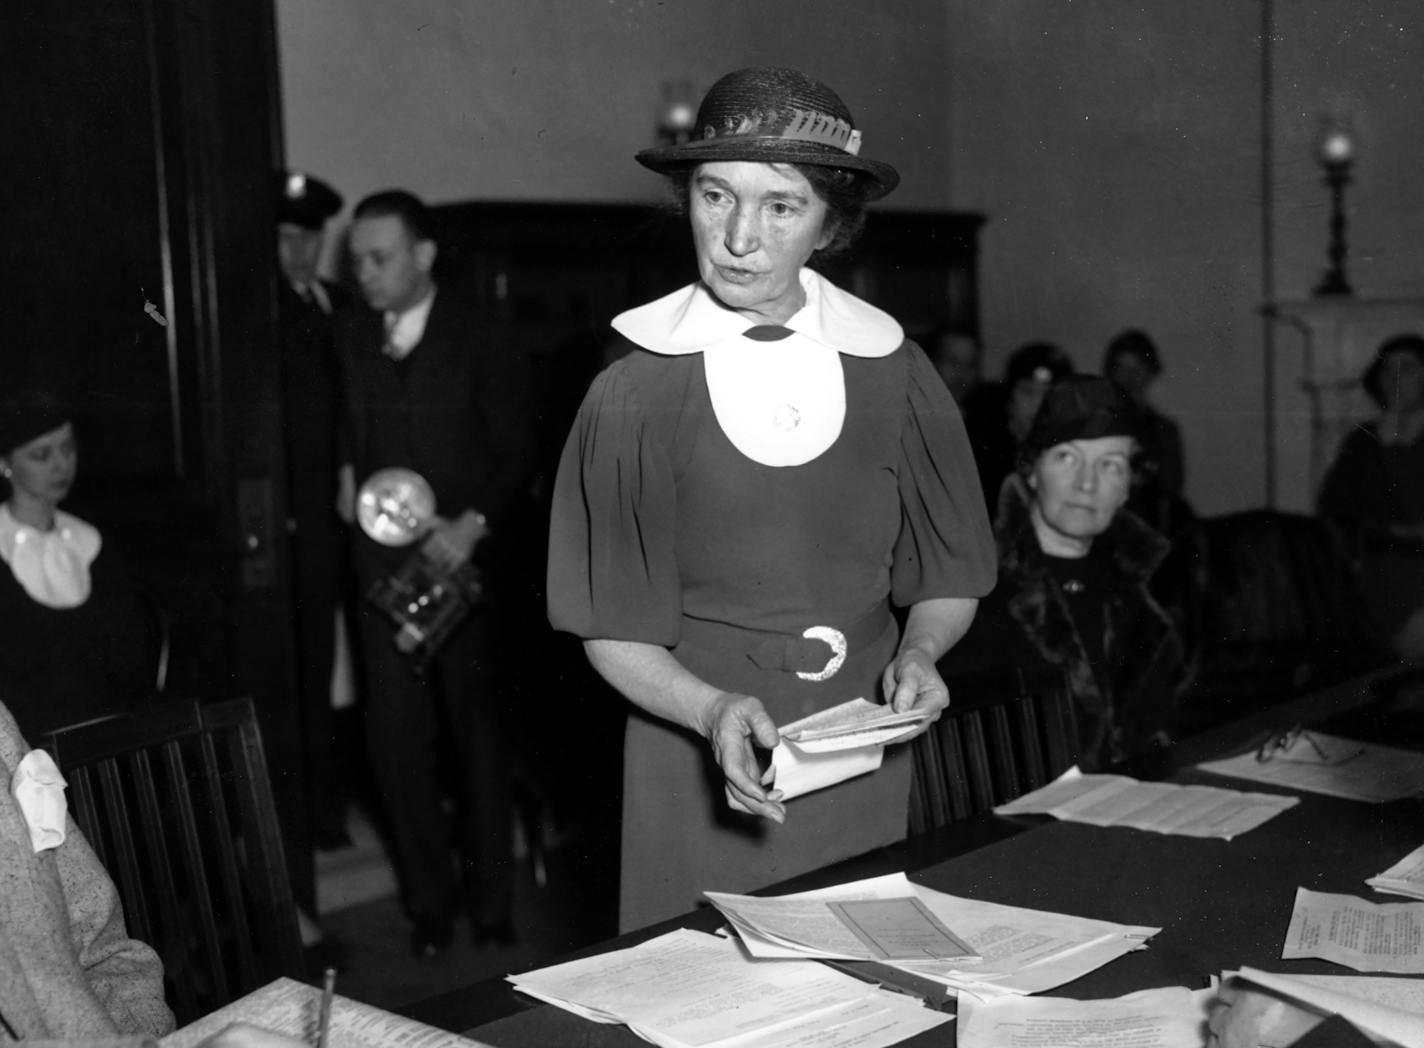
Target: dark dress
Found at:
1368, 488
1093, 619
59, 666
664, 533
318, 541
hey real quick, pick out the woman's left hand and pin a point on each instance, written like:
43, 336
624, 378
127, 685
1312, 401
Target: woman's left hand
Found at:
911, 682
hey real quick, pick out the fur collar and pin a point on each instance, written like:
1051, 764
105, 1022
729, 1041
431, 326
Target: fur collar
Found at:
1133, 550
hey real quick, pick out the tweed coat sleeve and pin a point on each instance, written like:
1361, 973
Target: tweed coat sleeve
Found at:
68, 970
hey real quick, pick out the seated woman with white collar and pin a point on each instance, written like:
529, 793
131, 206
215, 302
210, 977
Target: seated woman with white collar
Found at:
1073, 571
75, 639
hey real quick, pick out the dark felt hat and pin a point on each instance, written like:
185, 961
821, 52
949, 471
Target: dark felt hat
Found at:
27, 414
1373, 377
1039, 361
1133, 342
305, 200
778, 116
1080, 407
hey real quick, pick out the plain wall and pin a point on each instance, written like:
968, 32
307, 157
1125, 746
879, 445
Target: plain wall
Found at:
1116, 147
550, 99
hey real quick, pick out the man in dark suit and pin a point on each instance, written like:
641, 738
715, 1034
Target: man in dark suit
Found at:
305, 305
432, 386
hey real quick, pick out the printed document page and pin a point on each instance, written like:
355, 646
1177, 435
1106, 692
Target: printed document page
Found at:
288, 1007
1021, 950
1365, 936
1171, 1017
1406, 877
687, 988
1386, 1007
1157, 807
900, 928
1354, 770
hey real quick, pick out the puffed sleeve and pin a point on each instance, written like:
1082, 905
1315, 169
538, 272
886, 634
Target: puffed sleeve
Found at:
945, 547
612, 531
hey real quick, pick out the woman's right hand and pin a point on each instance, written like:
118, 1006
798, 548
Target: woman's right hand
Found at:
732, 723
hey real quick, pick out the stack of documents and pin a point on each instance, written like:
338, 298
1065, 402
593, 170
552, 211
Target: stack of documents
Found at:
1386, 1008
1116, 800
1170, 1017
1016, 951
1365, 936
870, 929
285, 1006
687, 989
1334, 766
1406, 877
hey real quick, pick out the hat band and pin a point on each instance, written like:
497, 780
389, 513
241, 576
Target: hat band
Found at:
796, 125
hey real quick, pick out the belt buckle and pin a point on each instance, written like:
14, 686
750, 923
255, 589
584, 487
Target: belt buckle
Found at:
837, 642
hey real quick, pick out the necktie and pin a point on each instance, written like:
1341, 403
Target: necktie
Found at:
391, 347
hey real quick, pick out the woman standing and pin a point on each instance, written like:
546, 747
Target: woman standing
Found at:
772, 463
75, 646
1375, 491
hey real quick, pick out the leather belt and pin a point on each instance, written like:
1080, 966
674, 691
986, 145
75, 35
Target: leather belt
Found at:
816, 654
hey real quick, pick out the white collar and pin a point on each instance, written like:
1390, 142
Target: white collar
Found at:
405, 330
690, 320
52, 566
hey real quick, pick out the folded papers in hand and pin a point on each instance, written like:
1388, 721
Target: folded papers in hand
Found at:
834, 745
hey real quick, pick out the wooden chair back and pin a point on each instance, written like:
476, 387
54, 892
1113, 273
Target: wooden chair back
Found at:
1005, 733
177, 804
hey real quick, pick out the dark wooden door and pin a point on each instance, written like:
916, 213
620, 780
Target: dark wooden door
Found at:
139, 138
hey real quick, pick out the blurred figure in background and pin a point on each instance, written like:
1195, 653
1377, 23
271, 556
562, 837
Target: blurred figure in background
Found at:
1002, 418
80, 641
1132, 361
1375, 492
432, 386
310, 400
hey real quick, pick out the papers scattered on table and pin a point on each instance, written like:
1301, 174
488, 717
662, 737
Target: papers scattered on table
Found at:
1389, 1008
1170, 1017
1365, 936
1020, 951
687, 989
1354, 770
1406, 877
835, 745
288, 1007
850, 930
1160, 807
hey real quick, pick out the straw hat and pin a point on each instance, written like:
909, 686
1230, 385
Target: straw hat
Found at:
778, 116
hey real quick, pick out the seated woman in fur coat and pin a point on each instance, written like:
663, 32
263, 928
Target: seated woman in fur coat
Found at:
1073, 572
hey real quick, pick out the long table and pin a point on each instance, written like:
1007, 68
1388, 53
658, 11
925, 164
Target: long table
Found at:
1220, 904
